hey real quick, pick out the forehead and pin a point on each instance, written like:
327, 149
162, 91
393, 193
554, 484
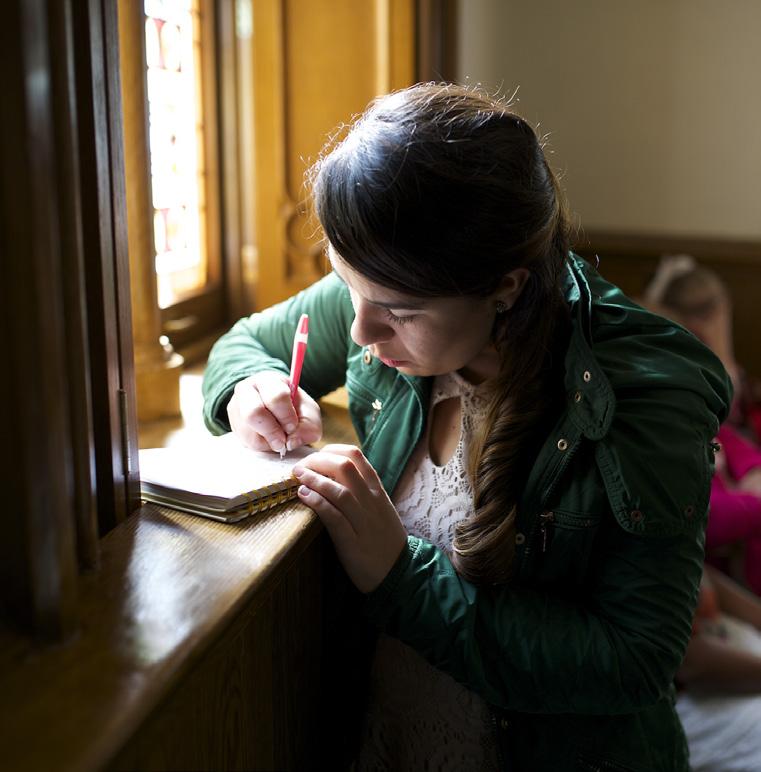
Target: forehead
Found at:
372, 291
452, 309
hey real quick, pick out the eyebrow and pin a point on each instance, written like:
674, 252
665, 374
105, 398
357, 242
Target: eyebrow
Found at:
407, 305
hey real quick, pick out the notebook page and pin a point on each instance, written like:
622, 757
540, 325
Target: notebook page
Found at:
219, 467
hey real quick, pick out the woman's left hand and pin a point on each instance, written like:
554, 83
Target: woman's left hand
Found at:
341, 486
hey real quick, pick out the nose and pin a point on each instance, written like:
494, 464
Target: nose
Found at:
367, 328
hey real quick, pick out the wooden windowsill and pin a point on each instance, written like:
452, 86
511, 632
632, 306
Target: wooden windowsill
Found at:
168, 586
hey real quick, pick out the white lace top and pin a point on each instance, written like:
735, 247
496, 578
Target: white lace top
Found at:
420, 717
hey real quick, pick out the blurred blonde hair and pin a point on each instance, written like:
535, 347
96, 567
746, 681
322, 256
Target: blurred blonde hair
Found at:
681, 287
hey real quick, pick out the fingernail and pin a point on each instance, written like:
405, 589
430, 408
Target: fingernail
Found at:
297, 471
291, 444
278, 445
290, 427
303, 490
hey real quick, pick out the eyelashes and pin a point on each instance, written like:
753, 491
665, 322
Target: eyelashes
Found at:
390, 316
393, 318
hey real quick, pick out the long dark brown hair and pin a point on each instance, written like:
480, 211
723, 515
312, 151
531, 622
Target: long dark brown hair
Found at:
440, 190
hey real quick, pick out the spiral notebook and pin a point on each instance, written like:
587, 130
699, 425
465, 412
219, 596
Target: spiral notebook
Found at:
218, 478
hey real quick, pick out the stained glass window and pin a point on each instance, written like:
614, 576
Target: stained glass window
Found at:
172, 45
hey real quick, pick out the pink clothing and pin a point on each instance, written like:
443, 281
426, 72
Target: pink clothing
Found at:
741, 455
736, 515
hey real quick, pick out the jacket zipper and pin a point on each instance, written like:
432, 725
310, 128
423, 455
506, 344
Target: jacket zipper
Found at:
547, 520
531, 540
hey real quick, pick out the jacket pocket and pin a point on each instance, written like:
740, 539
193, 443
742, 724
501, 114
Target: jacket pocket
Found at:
563, 542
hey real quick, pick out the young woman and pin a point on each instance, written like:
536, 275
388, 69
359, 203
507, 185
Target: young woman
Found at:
525, 516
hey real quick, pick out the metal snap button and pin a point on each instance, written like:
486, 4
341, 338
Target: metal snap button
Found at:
367, 357
562, 444
587, 376
636, 516
577, 397
689, 511
504, 723
520, 538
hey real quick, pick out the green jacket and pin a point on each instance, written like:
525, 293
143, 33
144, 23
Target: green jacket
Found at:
577, 656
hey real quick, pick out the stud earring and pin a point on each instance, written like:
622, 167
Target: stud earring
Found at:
501, 306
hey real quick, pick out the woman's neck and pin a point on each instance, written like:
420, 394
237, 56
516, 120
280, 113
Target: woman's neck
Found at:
483, 367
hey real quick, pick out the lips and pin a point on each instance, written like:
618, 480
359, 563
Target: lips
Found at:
392, 362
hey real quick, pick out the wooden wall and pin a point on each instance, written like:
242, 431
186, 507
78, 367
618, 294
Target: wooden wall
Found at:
365, 49
248, 702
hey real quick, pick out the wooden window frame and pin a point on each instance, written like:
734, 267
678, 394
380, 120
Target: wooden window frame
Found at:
71, 472
201, 312
436, 50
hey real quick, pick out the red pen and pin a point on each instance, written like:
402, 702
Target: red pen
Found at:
297, 359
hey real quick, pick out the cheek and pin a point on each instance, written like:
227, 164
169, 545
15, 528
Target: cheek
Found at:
467, 331
449, 343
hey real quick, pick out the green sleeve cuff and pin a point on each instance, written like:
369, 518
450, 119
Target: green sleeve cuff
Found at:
379, 602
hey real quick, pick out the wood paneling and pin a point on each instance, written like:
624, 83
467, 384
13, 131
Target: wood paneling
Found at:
316, 64
199, 646
37, 552
248, 703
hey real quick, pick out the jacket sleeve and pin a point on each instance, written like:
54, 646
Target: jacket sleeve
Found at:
611, 648
264, 341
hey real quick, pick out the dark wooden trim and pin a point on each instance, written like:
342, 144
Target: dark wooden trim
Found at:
37, 552
73, 283
654, 245
105, 253
436, 50
128, 435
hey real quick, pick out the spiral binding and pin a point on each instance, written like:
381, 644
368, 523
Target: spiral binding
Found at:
269, 497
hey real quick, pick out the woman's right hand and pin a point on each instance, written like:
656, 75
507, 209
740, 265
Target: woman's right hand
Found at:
262, 415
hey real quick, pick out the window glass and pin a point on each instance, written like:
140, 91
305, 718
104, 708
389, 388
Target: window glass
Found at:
172, 45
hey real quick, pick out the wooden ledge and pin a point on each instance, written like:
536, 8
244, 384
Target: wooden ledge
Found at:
169, 585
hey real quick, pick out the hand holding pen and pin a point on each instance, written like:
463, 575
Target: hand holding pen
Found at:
268, 410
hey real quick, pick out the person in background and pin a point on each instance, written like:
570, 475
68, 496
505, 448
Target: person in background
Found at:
720, 700
524, 519
696, 297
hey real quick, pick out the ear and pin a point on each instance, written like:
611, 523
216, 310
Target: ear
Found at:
511, 286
